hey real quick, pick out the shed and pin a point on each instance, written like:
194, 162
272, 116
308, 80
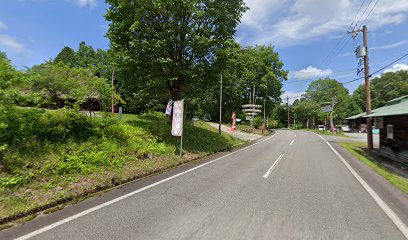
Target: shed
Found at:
392, 120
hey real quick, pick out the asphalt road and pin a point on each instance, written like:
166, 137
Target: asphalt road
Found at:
289, 186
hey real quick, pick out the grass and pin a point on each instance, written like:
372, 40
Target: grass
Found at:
249, 129
395, 179
55, 155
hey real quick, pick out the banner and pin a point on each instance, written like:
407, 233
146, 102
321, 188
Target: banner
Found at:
178, 112
234, 122
169, 108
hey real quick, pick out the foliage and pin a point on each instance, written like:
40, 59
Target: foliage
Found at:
258, 66
383, 89
58, 85
165, 49
67, 56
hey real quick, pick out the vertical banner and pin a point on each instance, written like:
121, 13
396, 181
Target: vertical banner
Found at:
169, 107
234, 122
177, 125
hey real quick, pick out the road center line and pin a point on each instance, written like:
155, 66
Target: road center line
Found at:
292, 142
266, 175
388, 211
93, 209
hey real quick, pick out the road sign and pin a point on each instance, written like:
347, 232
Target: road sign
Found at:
326, 109
177, 125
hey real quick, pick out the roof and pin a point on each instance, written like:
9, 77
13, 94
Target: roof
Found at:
356, 116
391, 110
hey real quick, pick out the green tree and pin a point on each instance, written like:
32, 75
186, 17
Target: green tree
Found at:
60, 84
328, 92
66, 56
383, 89
163, 48
85, 56
306, 111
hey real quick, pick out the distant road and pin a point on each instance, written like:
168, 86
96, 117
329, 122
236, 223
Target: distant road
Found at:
288, 186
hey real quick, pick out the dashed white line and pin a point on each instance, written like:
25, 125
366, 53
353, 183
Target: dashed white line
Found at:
93, 209
292, 142
388, 211
266, 175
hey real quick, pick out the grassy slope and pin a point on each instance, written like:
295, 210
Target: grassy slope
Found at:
127, 148
398, 181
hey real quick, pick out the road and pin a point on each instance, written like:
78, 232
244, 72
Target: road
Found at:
288, 186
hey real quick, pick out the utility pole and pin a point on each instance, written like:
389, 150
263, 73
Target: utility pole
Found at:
369, 126
113, 90
367, 91
287, 105
219, 126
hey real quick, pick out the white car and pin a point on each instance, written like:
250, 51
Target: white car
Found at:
321, 127
345, 128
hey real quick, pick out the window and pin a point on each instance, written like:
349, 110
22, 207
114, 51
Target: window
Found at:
390, 132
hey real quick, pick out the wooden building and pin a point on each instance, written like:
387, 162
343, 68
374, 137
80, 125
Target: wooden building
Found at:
392, 120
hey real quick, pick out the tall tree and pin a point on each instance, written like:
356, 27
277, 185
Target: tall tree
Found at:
165, 47
85, 56
66, 56
256, 68
383, 89
328, 92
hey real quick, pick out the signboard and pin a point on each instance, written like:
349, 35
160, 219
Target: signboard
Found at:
169, 108
379, 122
326, 109
234, 122
177, 125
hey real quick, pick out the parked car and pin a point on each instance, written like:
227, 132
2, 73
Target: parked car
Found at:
195, 119
345, 128
321, 127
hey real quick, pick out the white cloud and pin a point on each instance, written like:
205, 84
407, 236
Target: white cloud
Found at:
310, 72
292, 96
7, 42
2, 25
393, 45
397, 67
86, 3
294, 22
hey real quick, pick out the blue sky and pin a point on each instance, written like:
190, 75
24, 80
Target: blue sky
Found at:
308, 34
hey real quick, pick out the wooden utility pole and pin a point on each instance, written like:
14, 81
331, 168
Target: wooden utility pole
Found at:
369, 126
287, 105
367, 91
113, 90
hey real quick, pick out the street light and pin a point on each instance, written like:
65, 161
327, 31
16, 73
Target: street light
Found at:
239, 50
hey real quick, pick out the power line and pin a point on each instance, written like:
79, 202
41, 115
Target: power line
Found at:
369, 13
361, 16
355, 18
379, 70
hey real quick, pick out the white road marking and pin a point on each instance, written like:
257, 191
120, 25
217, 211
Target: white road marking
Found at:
266, 175
391, 214
93, 209
295, 134
292, 142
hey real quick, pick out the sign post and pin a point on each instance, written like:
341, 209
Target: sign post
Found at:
177, 124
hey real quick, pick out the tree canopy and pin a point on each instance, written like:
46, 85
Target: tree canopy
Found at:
166, 47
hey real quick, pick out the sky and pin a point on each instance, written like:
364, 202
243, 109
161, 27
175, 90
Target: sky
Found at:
309, 35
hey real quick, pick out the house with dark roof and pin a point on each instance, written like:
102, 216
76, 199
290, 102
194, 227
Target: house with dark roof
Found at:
392, 120
357, 123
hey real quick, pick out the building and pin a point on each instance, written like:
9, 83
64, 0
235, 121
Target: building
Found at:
392, 120
357, 123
